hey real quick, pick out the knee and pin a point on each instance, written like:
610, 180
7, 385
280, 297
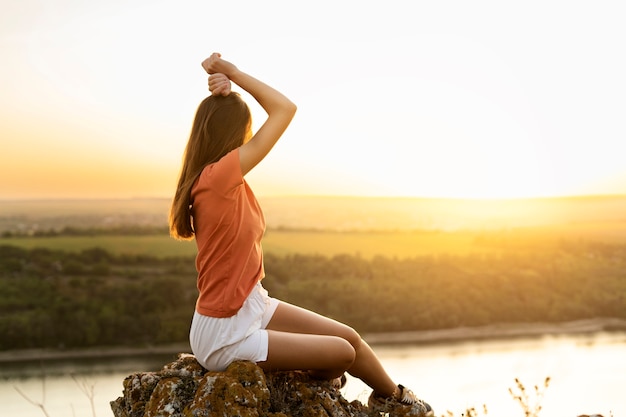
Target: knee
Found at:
352, 337
345, 353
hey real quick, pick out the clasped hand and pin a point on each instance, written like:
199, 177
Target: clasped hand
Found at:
217, 68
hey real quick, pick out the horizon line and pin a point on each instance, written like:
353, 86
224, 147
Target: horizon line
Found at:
377, 197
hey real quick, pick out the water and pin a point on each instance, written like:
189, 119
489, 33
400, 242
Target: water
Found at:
588, 375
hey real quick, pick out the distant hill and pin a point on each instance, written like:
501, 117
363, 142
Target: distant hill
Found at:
367, 213
331, 213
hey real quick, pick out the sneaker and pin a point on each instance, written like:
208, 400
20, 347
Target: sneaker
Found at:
406, 404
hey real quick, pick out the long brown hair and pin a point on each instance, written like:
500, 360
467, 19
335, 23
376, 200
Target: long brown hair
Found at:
221, 124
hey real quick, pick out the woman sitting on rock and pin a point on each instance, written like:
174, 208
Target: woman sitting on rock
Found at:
234, 318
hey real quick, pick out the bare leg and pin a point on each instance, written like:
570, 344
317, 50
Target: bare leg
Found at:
302, 339
325, 357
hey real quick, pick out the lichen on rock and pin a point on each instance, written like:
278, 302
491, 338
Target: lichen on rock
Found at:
184, 389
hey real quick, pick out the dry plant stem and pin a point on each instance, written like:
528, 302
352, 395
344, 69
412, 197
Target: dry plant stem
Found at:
531, 408
89, 391
41, 405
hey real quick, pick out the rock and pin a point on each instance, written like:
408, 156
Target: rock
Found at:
184, 388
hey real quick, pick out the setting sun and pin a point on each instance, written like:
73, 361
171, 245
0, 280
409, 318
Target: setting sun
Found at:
98, 99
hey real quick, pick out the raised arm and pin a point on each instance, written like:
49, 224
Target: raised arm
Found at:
280, 110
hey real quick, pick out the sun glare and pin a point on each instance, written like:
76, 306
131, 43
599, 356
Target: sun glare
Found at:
439, 109
434, 140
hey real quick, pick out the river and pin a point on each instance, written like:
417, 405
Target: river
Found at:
588, 375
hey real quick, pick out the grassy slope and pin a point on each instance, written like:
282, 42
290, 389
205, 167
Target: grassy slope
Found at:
349, 225
365, 244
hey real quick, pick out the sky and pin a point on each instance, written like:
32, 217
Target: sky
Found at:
481, 99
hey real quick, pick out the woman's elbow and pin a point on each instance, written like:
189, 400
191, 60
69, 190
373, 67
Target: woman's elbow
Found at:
292, 108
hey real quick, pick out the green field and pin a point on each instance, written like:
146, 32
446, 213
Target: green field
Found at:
333, 225
365, 244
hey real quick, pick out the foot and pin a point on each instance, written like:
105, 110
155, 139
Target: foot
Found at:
403, 402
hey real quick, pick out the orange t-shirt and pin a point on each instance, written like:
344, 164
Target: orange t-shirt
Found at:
228, 224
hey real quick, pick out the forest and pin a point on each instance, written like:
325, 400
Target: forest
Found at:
62, 299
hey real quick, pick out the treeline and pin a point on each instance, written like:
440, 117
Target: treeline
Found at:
93, 298
127, 230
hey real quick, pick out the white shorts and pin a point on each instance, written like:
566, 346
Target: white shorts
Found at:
217, 342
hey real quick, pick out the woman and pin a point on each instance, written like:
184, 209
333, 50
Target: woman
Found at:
235, 319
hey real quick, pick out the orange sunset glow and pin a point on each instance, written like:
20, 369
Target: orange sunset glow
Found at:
481, 100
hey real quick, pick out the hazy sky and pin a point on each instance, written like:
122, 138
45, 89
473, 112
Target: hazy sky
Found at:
438, 98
